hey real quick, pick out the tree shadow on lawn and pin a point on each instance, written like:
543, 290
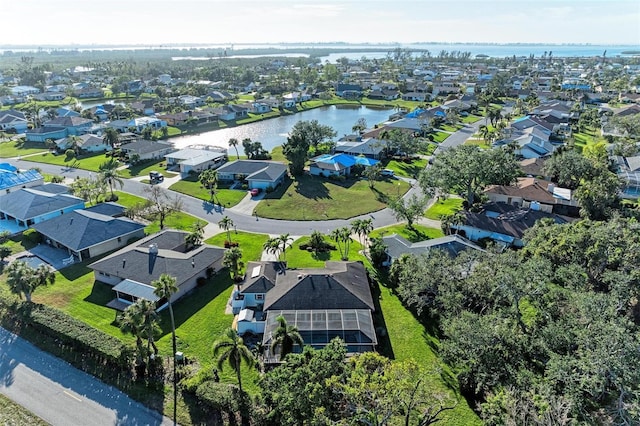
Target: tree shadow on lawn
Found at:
382, 332
416, 235
189, 305
101, 294
75, 271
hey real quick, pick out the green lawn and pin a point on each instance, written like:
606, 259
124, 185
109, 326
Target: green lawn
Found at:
277, 155
250, 244
90, 162
418, 233
449, 128
410, 340
407, 169
470, 119
190, 186
439, 137
443, 208
19, 243
481, 143
178, 220
316, 198
12, 414
143, 168
588, 137
297, 258
19, 148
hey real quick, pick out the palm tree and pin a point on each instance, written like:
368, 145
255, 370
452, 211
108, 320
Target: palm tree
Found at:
23, 279
285, 240
316, 241
165, 287
73, 142
194, 238
147, 311
362, 227
132, 321
284, 338
111, 136
232, 349
337, 237
272, 245
234, 143
226, 223
108, 172
209, 179
232, 260
345, 236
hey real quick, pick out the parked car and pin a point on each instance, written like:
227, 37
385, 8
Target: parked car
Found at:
155, 177
255, 191
387, 172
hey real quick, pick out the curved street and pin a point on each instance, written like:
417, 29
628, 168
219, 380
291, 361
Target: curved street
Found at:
246, 222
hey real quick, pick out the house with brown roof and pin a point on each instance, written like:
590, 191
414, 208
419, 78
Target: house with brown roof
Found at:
535, 194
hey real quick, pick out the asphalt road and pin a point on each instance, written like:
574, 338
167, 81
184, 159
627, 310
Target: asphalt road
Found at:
61, 394
459, 137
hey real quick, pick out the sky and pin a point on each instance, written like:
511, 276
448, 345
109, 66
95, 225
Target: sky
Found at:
162, 22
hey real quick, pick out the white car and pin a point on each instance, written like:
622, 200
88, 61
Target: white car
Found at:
387, 172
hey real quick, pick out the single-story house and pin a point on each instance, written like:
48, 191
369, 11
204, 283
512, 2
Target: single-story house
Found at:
132, 269
28, 206
337, 164
259, 174
533, 167
89, 233
13, 121
58, 128
452, 244
348, 90
323, 303
416, 96
148, 150
88, 143
196, 160
502, 223
369, 147
138, 124
535, 194
11, 178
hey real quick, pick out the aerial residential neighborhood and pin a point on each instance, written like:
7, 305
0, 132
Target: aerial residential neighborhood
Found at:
332, 233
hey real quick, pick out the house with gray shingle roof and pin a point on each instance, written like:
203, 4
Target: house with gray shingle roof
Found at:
132, 269
86, 233
452, 244
334, 301
12, 120
28, 206
258, 174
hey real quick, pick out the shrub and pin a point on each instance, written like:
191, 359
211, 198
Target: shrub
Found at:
57, 179
201, 281
32, 236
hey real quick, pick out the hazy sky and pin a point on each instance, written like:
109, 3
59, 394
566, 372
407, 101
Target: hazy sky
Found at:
156, 22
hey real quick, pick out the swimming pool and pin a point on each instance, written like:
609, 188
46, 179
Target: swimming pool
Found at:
33, 261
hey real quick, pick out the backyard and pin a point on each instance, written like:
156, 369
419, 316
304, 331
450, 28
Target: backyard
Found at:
316, 198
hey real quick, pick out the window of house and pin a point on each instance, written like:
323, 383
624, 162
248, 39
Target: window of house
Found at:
259, 296
119, 239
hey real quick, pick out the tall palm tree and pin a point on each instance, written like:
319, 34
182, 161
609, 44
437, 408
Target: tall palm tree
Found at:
194, 238
23, 279
362, 227
108, 172
226, 223
285, 240
345, 236
337, 237
232, 260
231, 348
111, 136
209, 179
165, 287
234, 143
285, 337
132, 321
272, 245
150, 321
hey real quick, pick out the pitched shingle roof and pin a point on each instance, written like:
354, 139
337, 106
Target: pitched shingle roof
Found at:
255, 169
28, 203
452, 244
82, 229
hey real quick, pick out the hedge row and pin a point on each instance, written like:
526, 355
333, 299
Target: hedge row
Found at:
75, 333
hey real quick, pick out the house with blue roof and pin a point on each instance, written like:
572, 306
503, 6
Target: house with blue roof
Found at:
11, 178
58, 128
337, 164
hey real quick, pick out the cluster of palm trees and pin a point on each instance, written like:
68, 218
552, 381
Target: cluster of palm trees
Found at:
342, 236
278, 246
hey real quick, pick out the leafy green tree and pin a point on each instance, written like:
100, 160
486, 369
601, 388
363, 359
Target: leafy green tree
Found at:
296, 151
230, 348
360, 125
312, 132
598, 195
284, 338
410, 209
568, 168
195, 237
108, 173
22, 279
232, 260
467, 168
111, 137
377, 252
372, 174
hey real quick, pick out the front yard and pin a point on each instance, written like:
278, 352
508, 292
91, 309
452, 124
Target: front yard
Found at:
19, 148
191, 186
444, 207
87, 162
415, 234
317, 198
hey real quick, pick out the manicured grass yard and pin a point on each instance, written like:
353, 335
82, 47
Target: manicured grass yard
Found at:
470, 119
410, 340
587, 137
16, 415
89, 162
440, 136
443, 208
297, 258
18, 148
407, 169
316, 198
481, 143
250, 244
178, 220
190, 186
418, 233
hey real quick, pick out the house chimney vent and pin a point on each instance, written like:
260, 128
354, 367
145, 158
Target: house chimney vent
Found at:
124, 263
153, 249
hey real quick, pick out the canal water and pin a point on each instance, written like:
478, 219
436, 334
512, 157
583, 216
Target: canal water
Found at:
273, 132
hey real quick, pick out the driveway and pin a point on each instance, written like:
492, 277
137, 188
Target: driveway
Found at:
61, 394
459, 137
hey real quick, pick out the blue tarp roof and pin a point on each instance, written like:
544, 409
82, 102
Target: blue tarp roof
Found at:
415, 113
10, 179
346, 160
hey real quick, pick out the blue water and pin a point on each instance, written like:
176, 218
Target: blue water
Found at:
33, 261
